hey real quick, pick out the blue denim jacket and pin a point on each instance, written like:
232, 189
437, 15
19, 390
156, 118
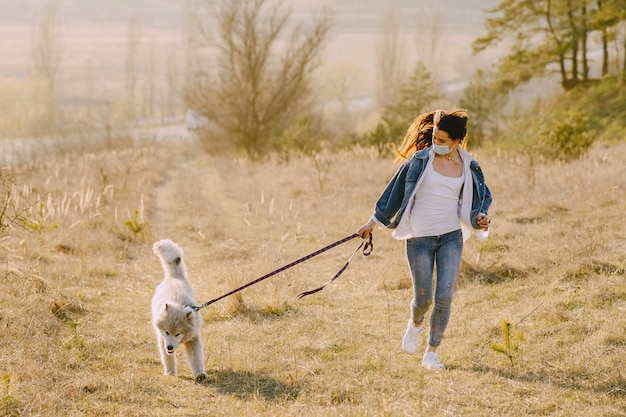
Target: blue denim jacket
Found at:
395, 198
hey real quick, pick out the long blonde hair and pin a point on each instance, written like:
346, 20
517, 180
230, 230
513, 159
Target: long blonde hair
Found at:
420, 134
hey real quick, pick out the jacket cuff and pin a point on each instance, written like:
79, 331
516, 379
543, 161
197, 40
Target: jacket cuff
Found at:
375, 220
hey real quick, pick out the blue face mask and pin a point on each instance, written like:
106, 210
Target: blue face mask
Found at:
441, 149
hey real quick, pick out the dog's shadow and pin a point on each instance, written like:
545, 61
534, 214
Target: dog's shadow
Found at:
246, 385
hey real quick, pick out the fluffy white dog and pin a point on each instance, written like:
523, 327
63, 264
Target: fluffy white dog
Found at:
174, 320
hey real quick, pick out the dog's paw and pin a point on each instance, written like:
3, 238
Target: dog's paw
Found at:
201, 376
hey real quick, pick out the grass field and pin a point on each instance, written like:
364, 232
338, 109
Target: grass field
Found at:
77, 280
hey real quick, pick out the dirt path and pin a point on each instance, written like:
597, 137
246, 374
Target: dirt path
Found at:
182, 201
195, 208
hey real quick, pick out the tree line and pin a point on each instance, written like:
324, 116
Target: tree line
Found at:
546, 36
250, 69
252, 94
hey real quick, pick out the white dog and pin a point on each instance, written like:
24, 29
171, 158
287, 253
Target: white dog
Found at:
174, 320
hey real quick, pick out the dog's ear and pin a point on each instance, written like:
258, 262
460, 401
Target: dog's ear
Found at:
177, 261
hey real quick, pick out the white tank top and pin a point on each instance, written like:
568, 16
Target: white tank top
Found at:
436, 206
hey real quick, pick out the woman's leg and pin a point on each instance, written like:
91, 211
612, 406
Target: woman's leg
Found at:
420, 254
448, 261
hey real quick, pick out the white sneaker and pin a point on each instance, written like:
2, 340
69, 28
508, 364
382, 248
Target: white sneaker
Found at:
411, 337
431, 361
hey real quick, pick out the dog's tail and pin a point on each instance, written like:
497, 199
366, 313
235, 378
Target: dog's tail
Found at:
171, 256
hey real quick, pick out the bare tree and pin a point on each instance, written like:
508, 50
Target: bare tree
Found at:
11, 212
134, 36
254, 90
390, 59
172, 83
334, 91
485, 106
47, 51
430, 35
149, 85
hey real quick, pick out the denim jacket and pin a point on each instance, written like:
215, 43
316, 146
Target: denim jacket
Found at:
397, 194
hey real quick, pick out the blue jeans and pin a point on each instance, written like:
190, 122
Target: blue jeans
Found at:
423, 253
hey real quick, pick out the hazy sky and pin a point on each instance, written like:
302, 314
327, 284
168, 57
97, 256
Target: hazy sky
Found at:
362, 13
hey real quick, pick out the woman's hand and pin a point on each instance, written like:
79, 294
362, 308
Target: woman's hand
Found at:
365, 230
483, 221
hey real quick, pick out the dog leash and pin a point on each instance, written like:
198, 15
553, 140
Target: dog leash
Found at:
367, 250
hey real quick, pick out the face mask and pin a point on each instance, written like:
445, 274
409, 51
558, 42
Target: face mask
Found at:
441, 149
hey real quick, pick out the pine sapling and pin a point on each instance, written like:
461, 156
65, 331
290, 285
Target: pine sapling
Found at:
510, 343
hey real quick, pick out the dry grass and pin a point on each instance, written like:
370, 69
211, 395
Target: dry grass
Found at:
75, 331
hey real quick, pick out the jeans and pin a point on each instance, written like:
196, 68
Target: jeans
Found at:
423, 253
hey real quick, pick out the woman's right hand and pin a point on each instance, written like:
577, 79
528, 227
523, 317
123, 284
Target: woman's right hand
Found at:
365, 230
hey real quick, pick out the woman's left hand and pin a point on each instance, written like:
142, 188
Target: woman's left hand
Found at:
483, 221
365, 230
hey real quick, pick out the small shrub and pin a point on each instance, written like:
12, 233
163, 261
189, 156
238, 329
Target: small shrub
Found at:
39, 223
76, 340
276, 310
566, 139
136, 225
9, 405
10, 211
488, 246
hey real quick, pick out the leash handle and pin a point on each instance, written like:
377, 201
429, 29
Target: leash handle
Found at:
369, 246
281, 269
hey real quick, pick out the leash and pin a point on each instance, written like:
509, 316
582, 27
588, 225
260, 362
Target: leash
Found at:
367, 250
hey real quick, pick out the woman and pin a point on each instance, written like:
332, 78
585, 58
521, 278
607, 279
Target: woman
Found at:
434, 200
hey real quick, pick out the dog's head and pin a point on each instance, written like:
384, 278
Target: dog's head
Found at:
176, 325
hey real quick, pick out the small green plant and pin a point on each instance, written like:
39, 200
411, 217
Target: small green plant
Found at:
76, 340
136, 224
38, 225
276, 310
510, 342
488, 246
9, 405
